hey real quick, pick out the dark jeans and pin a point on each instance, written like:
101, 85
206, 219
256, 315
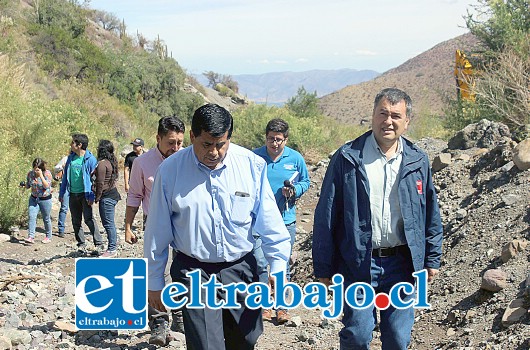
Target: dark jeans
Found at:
107, 208
395, 324
79, 209
219, 329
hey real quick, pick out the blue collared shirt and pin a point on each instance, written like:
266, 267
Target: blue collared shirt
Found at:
290, 165
209, 214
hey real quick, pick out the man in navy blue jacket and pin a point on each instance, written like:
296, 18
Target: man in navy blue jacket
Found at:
377, 221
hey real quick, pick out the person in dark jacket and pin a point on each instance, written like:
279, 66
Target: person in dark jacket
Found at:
78, 170
377, 221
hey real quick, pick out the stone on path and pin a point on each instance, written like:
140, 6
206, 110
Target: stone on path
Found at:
514, 312
494, 280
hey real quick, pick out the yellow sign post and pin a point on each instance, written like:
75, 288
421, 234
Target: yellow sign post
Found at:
465, 82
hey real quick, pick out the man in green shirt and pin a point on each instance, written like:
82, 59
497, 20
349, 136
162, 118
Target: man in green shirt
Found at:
76, 180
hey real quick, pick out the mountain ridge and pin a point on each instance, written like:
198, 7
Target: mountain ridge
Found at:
278, 87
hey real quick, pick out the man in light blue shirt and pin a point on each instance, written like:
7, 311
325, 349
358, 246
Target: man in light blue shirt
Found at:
285, 166
205, 202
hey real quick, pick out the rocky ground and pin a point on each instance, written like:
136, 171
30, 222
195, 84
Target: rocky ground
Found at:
479, 300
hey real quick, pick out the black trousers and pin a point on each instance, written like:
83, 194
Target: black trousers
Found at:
79, 208
208, 329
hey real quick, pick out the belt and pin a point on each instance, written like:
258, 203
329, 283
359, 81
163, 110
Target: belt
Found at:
385, 252
45, 198
208, 266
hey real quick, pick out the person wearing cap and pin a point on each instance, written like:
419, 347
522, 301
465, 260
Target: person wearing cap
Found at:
138, 150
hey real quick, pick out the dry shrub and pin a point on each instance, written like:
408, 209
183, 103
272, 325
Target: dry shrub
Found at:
504, 88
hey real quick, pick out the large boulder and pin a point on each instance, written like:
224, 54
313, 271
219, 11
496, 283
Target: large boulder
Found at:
484, 134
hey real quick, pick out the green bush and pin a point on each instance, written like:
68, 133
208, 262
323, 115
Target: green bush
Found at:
66, 57
144, 80
224, 90
7, 34
304, 104
501, 24
31, 127
427, 126
67, 15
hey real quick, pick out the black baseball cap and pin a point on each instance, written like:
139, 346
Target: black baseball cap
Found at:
138, 142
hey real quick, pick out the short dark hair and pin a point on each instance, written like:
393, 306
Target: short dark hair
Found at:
39, 163
82, 139
278, 125
172, 123
394, 96
212, 119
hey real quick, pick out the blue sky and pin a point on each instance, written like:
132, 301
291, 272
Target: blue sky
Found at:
260, 36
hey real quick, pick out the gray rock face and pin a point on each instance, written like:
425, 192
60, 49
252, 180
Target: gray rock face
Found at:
484, 134
441, 161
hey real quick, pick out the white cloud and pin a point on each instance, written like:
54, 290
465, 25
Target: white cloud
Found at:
301, 60
364, 52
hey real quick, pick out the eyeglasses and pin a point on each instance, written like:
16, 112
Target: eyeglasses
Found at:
273, 140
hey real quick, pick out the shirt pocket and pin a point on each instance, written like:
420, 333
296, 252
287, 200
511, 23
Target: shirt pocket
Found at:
241, 209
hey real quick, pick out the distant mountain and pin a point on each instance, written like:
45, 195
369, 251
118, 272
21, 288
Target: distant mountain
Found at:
277, 88
428, 78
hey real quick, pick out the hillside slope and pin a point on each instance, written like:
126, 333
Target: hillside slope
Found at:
427, 78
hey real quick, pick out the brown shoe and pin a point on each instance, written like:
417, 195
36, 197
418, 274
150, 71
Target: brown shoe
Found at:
282, 316
267, 315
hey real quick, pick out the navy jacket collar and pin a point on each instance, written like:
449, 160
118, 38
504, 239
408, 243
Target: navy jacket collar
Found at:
353, 150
